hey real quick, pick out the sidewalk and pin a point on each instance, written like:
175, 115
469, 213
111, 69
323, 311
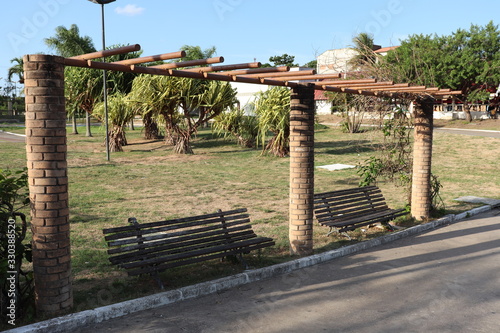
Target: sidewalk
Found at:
445, 280
441, 280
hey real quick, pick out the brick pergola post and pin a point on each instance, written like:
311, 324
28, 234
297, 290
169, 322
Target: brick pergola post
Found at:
301, 170
48, 182
422, 158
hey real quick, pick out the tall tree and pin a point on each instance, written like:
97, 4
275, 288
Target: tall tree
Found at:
472, 62
183, 104
363, 46
69, 43
195, 52
281, 60
466, 60
157, 98
16, 69
121, 82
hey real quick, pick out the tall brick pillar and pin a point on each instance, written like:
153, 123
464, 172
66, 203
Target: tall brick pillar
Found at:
301, 170
422, 158
48, 182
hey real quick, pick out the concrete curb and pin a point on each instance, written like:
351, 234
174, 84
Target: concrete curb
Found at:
90, 317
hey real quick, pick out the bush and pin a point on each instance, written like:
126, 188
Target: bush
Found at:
16, 282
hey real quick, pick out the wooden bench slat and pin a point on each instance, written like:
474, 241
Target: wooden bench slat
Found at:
381, 219
351, 208
176, 221
155, 246
333, 212
176, 247
162, 235
194, 259
358, 219
142, 230
350, 198
172, 242
191, 252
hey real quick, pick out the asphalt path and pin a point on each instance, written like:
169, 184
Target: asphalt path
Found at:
11, 137
445, 280
472, 132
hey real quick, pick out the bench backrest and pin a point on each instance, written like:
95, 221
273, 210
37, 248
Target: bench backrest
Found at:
177, 235
345, 204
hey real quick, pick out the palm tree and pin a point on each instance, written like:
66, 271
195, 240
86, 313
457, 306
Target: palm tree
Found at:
195, 52
363, 45
120, 112
273, 110
16, 69
69, 43
208, 98
176, 100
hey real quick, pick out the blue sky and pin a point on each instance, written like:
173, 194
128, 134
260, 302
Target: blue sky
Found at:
241, 30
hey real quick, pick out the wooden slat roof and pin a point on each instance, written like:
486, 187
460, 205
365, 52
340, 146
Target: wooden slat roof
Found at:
248, 73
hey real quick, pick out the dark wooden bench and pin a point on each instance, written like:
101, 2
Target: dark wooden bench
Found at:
150, 248
346, 210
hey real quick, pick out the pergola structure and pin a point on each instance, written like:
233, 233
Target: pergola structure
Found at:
46, 147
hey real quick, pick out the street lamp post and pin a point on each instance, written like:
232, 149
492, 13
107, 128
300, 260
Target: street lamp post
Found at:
104, 75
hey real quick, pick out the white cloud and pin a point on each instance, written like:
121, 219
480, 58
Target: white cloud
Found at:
129, 10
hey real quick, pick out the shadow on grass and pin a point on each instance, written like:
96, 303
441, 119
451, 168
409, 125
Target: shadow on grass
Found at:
345, 147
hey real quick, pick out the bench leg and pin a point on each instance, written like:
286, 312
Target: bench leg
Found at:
243, 261
156, 277
332, 231
388, 226
335, 230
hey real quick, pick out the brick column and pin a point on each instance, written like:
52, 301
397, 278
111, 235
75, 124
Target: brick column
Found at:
301, 170
422, 158
48, 182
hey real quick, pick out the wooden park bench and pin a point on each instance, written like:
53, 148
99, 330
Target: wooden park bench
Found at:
150, 248
346, 210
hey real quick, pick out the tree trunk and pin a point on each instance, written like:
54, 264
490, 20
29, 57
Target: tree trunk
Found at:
87, 125
117, 139
468, 115
151, 130
182, 144
73, 121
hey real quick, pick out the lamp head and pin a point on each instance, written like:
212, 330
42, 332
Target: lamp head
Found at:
102, 2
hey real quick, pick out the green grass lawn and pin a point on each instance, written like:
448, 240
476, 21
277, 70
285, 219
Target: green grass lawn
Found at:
149, 182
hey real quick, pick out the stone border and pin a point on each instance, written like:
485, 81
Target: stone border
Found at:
91, 317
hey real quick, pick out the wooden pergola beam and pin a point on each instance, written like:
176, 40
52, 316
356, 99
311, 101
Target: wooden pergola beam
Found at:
284, 73
190, 63
107, 53
258, 72
158, 57
307, 77
244, 66
344, 82
250, 73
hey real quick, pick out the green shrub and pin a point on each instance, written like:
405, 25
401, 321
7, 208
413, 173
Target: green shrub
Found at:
16, 282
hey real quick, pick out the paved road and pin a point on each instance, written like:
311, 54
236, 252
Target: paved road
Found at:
9, 137
445, 280
473, 132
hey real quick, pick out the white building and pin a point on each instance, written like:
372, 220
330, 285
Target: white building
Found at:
246, 91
